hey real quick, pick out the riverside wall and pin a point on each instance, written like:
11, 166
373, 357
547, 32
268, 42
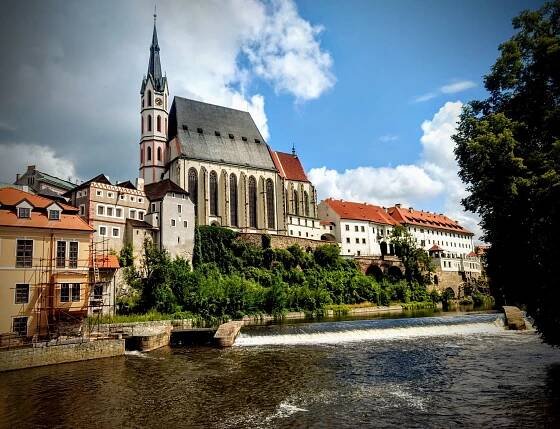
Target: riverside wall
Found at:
61, 353
281, 241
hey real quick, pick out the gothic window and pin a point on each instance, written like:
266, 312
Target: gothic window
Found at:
270, 203
142, 123
252, 202
295, 203
149, 122
159, 154
193, 188
165, 125
306, 203
141, 155
149, 153
213, 194
159, 123
233, 200
149, 98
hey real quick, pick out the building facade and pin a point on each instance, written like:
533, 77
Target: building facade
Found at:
46, 264
42, 183
361, 229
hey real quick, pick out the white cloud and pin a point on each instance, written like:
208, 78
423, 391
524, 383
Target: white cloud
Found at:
455, 87
451, 88
388, 138
14, 158
433, 177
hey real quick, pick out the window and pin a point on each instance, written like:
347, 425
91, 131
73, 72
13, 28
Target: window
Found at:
233, 200
54, 214
132, 214
142, 120
357, 241
99, 193
98, 291
132, 198
109, 211
65, 292
149, 97
102, 231
82, 210
295, 203
306, 203
19, 326
60, 254
356, 228
75, 292
347, 227
185, 224
118, 212
270, 203
363, 241
22, 294
363, 229
149, 126
110, 195
358, 253
141, 215
122, 197
179, 208
213, 194
348, 239
116, 232
100, 210
158, 124
24, 253
24, 212
172, 222
193, 188
252, 202
73, 255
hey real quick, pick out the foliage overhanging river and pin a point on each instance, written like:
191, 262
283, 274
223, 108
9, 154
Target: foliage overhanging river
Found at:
445, 371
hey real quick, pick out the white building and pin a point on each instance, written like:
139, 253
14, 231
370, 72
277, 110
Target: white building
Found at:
361, 229
431, 229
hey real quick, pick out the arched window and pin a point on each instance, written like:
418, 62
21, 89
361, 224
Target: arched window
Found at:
141, 155
165, 126
233, 200
193, 188
213, 194
295, 203
252, 202
149, 153
149, 98
159, 123
142, 123
305, 203
149, 122
270, 203
159, 154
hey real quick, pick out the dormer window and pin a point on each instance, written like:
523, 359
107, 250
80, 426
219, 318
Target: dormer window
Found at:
244, 139
199, 130
24, 212
54, 214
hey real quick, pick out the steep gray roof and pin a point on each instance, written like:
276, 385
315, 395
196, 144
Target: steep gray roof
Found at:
247, 147
154, 66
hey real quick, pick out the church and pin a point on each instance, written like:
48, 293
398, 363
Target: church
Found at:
217, 154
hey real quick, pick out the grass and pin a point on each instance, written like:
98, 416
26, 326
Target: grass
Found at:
413, 305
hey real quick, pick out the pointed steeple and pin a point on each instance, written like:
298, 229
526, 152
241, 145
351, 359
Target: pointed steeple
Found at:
154, 65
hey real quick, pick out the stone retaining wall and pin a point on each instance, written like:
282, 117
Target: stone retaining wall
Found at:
281, 241
49, 355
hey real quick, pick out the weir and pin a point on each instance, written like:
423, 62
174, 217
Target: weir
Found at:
373, 330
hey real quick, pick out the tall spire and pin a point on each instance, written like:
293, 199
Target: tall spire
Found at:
154, 66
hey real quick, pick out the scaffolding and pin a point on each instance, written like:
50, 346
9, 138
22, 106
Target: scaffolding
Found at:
50, 316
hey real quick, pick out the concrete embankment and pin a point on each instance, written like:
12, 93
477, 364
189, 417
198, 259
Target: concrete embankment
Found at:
29, 357
227, 333
514, 318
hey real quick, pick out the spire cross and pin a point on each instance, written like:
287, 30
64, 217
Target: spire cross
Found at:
155, 13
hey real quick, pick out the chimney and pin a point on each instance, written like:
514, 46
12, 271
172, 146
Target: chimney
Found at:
17, 177
398, 205
140, 184
30, 168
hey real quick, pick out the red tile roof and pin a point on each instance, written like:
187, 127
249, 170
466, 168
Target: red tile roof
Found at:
435, 248
108, 261
289, 166
360, 211
10, 197
13, 196
409, 216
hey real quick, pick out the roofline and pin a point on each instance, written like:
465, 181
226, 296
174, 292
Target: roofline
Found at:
218, 162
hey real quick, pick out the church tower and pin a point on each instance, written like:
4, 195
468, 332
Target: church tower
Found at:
154, 110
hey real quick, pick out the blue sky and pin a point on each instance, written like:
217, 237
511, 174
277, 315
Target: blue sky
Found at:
368, 91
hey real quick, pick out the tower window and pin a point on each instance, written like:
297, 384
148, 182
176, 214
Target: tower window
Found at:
252, 202
159, 154
149, 153
149, 122
159, 123
149, 98
141, 156
142, 123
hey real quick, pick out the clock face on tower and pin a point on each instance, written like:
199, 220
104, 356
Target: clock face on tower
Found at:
158, 101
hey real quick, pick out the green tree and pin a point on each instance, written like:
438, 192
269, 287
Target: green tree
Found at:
416, 261
508, 150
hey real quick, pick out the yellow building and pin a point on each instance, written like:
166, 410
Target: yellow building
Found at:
46, 265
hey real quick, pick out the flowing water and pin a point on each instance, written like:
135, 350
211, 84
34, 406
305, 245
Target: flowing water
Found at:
446, 371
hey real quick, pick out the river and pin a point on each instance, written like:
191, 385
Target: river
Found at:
444, 371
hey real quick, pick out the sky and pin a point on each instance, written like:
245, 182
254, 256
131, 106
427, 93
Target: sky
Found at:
368, 92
